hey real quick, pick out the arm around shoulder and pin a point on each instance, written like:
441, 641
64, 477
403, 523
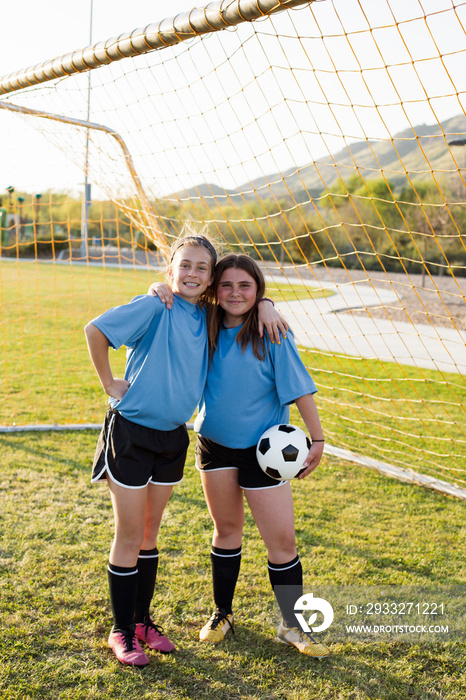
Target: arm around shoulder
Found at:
273, 322
163, 291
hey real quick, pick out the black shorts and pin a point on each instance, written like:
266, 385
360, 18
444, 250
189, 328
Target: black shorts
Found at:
211, 456
133, 456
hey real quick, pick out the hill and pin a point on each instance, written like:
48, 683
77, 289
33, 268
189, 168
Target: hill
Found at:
413, 153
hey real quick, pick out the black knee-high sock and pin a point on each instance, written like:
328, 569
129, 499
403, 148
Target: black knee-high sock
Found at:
225, 570
123, 586
287, 584
147, 565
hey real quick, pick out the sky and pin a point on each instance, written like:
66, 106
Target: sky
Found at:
34, 32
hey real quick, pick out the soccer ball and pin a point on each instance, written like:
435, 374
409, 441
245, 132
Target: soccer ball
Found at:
282, 450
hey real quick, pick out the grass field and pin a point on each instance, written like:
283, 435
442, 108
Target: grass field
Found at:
353, 527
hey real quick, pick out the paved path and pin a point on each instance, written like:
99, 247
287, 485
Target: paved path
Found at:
317, 323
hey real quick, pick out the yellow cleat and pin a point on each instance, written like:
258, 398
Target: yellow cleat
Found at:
303, 641
215, 630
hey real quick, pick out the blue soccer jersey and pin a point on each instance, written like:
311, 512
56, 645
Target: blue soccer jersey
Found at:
244, 396
166, 362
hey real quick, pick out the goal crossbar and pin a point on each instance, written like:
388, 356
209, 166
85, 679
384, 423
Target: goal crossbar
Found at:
200, 20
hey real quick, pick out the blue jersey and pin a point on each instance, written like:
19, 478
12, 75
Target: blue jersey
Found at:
244, 396
166, 362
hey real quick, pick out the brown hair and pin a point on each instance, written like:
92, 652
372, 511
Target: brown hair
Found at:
249, 333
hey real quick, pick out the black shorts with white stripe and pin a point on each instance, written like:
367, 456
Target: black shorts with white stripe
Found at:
210, 456
133, 455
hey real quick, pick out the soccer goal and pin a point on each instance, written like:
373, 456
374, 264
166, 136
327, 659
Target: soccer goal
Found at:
326, 139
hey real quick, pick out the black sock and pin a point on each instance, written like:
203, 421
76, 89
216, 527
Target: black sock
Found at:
147, 566
225, 570
123, 586
289, 579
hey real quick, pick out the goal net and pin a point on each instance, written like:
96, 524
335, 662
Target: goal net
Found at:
325, 139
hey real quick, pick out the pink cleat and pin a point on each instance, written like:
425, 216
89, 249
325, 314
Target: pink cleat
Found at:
153, 636
127, 649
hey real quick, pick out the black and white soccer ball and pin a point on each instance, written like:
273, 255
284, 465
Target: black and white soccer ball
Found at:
281, 451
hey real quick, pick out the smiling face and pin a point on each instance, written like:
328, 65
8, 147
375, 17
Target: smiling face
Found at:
190, 272
236, 294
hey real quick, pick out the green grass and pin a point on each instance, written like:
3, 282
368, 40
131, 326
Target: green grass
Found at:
353, 526
286, 292
46, 368
410, 417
